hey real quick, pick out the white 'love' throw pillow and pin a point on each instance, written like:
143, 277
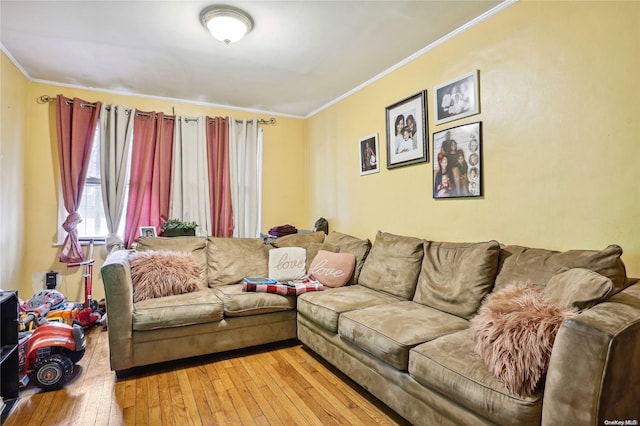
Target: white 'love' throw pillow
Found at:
332, 269
287, 263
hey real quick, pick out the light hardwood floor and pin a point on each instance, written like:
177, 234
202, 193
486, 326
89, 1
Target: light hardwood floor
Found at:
270, 385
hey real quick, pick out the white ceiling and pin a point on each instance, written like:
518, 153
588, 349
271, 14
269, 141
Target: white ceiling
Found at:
300, 56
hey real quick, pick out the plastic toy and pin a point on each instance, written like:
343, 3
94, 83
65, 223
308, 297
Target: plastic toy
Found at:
53, 298
89, 313
58, 309
48, 354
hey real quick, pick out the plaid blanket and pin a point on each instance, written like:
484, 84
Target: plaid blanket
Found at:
288, 288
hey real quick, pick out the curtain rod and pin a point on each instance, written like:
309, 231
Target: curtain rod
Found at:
46, 98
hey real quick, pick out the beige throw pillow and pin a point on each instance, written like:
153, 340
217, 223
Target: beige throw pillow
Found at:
577, 287
536, 266
287, 263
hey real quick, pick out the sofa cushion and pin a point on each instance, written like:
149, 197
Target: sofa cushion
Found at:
174, 311
393, 265
449, 366
577, 287
520, 265
232, 259
302, 239
163, 273
195, 245
349, 244
314, 248
389, 331
332, 269
287, 263
324, 307
456, 276
238, 303
514, 333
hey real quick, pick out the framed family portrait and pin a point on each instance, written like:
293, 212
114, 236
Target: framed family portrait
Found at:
457, 98
369, 160
407, 131
148, 232
457, 162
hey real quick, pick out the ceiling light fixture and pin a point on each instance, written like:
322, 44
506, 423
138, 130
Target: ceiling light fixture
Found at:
227, 24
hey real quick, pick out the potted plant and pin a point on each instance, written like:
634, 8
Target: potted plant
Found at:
178, 228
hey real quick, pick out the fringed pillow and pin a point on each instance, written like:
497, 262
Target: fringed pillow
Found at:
163, 273
514, 333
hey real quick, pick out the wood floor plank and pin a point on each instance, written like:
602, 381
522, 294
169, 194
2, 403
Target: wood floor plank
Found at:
142, 403
199, 382
279, 384
299, 410
262, 401
164, 400
240, 378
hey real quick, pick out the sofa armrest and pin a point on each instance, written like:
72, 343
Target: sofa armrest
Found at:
593, 373
116, 277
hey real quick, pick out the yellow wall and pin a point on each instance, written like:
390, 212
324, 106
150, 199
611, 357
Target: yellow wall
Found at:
13, 108
560, 98
284, 144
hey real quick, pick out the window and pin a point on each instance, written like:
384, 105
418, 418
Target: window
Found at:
94, 223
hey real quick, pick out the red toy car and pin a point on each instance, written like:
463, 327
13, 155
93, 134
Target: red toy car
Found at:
49, 353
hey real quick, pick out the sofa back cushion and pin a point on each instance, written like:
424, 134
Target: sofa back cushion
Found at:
349, 244
195, 245
520, 265
314, 248
232, 259
302, 239
456, 276
393, 265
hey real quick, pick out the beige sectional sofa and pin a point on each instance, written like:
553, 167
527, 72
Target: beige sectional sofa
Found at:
403, 327
218, 318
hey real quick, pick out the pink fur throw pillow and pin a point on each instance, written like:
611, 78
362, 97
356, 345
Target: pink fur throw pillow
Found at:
163, 273
514, 333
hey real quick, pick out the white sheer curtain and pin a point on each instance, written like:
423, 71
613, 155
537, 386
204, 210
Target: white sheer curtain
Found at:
190, 199
116, 126
245, 158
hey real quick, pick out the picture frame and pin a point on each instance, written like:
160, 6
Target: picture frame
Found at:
369, 151
457, 169
457, 98
408, 115
148, 232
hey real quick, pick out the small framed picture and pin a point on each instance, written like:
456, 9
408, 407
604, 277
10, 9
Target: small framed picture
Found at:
457, 98
369, 160
457, 162
407, 131
148, 232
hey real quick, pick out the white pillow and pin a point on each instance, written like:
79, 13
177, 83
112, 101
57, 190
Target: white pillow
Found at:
287, 263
